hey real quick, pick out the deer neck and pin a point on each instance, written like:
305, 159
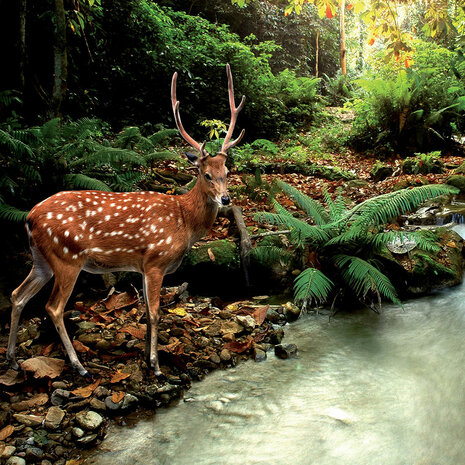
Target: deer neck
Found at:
199, 211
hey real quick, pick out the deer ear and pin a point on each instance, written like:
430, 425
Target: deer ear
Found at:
193, 159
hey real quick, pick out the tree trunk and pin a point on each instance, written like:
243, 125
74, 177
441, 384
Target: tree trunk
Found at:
317, 52
342, 6
22, 44
60, 59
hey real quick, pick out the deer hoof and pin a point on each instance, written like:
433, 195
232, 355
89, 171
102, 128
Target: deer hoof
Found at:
13, 364
161, 377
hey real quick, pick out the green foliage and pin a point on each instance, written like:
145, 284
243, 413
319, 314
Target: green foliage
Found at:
359, 232
39, 161
413, 109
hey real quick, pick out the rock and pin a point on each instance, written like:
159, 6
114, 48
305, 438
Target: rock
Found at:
213, 330
247, 322
101, 391
276, 335
285, 350
60, 397
4, 418
15, 460
129, 402
77, 432
87, 439
89, 420
380, 172
458, 181
33, 454
357, 183
231, 327
215, 358
59, 385
45, 462
60, 451
229, 337
97, 404
177, 332
259, 355
54, 417
28, 420
291, 311
225, 355
7, 452
225, 315
273, 316
206, 364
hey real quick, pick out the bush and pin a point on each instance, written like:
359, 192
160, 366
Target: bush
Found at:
411, 110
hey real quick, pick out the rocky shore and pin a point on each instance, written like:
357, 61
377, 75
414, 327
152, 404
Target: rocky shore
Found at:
49, 414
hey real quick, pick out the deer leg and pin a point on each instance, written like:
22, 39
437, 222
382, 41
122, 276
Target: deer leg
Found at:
153, 281
64, 285
148, 335
37, 278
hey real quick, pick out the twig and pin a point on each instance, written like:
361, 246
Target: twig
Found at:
270, 233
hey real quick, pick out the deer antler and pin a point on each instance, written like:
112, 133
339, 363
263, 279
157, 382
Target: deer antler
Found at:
177, 118
234, 112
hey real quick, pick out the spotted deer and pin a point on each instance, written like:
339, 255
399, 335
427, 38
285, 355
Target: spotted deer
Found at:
98, 232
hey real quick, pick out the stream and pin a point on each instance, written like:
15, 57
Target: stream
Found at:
365, 389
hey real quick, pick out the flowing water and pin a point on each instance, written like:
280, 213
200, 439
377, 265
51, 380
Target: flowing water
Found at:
365, 389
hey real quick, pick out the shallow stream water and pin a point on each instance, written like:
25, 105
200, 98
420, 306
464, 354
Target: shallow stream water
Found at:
366, 389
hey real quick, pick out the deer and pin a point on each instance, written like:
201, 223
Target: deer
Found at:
144, 231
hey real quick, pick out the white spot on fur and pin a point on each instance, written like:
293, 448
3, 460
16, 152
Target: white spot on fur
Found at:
65, 250
66, 233
168, 241
49, 215
55, 239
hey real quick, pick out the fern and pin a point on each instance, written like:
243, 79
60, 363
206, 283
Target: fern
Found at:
312, 285
163, 136
9, 213
126, 181
363, 278
81, 181
128, 138
271, 254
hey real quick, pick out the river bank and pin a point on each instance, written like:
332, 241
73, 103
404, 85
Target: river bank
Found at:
49, 414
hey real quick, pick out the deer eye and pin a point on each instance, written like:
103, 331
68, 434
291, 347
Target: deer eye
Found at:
208, 177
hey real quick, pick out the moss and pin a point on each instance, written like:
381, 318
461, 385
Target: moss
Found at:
225, 252
457, 180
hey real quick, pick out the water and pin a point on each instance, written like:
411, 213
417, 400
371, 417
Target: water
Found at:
366, 389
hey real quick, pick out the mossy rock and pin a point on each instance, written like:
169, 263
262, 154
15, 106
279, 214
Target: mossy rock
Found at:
458, 181
225, 253
414, 165
380, 172
356, 183
418, 272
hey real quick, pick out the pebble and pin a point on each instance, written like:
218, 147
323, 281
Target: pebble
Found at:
285, 350
87, 439
97, 404
231, 327
259, 355
89, 420
7, 452
291, 311
60, 396
101, 391
247, 322
54, 417
225, 355
15, 460
59, 385
215, 358
273, 316
33, 454
28, 420
77, 432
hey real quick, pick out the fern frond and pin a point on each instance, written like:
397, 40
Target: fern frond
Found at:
163, 137
111, 156
13, 214
50, 130
128, 138
311, 207
312, 285
81, 181
126, 181
15, 146
271, 254
363, 278
425, 240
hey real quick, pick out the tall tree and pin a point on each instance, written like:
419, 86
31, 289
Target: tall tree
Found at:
60, 60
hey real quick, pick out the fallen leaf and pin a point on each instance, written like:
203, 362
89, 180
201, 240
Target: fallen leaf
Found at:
239, 347
211, 255
175, 348
2, 350
86, 391
451, 244
36, 401
117, 397
138, 331
6, 432
116, 301
260, 314
44, 367
47, 350
178, 311
80, 347
11, 377
119, 376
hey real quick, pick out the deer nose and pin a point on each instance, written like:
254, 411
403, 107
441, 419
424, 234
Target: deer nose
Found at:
225, 199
